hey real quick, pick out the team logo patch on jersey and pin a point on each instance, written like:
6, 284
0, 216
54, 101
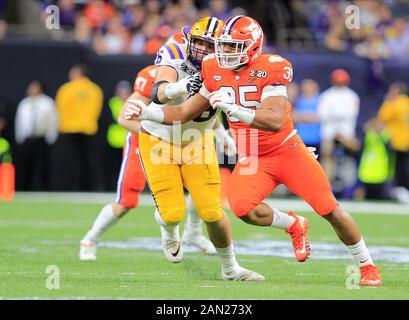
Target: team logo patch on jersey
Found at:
185, 68
258, 73
217, 77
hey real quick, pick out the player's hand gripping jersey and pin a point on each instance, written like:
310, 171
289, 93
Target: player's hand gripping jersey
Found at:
267, 76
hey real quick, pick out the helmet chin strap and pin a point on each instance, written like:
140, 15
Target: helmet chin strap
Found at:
192, 58
194, 53
240, 67
197, 64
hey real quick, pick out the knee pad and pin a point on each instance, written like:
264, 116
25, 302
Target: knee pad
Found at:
206, 200
169, 216
209, 209
211, 214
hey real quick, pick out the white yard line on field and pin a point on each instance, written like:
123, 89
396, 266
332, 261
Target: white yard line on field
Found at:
283, 249
378, 207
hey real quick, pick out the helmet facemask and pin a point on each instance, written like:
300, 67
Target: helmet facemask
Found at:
195, 54
232, 54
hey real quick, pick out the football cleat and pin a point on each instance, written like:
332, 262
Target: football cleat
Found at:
299, 234
88, 250
241, 274
198, 240
172, 248
370, 276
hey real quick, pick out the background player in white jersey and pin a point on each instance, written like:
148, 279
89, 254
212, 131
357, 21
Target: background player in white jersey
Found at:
183, 155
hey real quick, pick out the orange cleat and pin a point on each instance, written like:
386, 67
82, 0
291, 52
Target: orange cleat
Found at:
370, 276
299, 233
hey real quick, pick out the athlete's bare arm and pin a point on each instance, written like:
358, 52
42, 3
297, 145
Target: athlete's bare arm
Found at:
132, 126
271, 115
188, 110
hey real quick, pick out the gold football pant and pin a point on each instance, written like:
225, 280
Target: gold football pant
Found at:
169, 168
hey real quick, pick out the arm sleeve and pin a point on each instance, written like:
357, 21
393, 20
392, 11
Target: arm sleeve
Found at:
204, 91
274, 91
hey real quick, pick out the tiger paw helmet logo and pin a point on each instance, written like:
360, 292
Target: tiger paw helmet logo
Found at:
254, 30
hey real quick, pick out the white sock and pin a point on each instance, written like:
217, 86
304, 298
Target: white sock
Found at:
227, 258
360, 253
170, 231
103, 222
190, 206
281, 220
193, 221
158, 218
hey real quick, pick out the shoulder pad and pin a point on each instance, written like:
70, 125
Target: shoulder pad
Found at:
209, 57
174, 51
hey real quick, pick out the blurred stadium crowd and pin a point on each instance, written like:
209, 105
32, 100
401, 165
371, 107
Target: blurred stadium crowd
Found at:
141, 26
371, 163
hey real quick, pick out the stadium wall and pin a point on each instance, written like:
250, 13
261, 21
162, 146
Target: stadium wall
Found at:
22, 61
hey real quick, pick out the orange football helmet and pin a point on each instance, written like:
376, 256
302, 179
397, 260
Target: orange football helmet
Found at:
240, 42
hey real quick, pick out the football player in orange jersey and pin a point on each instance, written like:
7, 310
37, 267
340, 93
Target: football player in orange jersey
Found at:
251, 89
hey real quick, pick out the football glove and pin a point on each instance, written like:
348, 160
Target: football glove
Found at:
138, 110
135, 110
222, 100
225, 141
190, 85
